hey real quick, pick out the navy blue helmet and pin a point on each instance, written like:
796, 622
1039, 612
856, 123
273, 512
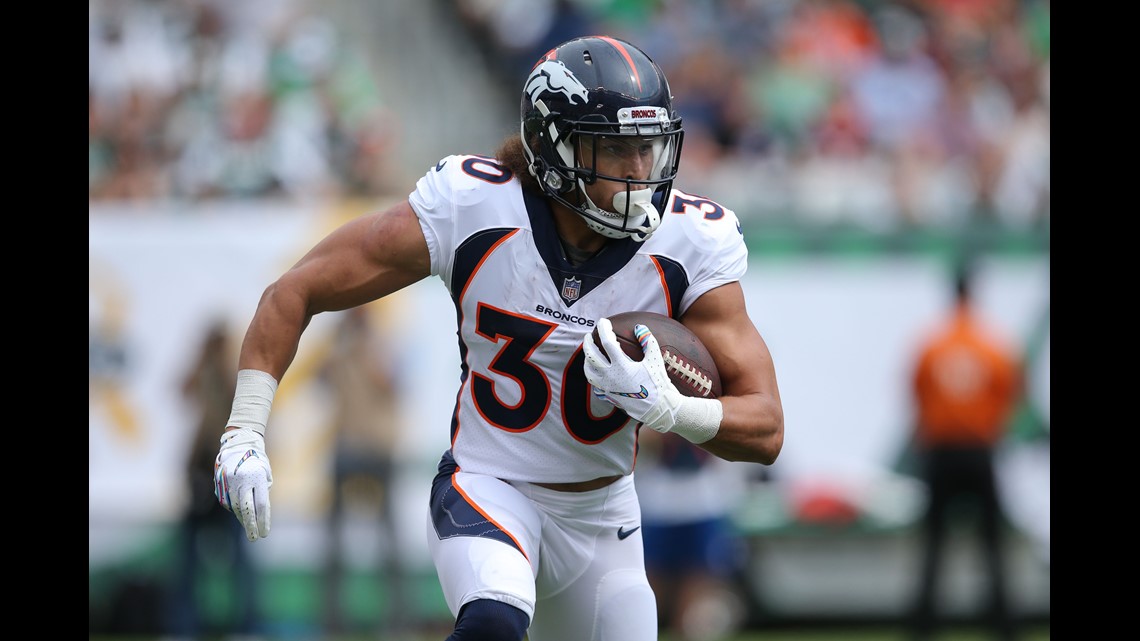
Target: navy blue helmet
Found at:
593, 93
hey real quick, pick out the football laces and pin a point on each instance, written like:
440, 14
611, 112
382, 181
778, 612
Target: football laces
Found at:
694, 377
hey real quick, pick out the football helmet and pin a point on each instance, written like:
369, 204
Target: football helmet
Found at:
599, 95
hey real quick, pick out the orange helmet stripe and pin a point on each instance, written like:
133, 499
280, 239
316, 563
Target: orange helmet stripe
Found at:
625, 54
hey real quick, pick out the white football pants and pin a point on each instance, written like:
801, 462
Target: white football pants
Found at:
573, 561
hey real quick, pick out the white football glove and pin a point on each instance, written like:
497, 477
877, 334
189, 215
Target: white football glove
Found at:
242, 478
640, 388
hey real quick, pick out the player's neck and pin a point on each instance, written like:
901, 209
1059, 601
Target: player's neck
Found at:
576, 237
574, 255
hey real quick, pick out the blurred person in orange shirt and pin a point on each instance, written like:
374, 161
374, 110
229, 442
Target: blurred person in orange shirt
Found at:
966, 382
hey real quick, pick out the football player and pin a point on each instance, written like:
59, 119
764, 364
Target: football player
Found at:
533, 522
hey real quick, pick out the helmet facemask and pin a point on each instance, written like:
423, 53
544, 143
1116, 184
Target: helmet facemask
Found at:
572, 152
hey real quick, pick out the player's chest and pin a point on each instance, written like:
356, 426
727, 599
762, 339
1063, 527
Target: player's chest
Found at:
518, 278
516, 291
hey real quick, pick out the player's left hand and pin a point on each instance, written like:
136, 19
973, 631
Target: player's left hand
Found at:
640, 388
242, 477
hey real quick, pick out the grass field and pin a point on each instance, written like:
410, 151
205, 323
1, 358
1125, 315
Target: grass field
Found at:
964, 633
875, 634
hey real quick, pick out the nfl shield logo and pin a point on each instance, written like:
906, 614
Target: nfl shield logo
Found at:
571, 288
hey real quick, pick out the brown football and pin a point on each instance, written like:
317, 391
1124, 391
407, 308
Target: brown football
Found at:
687, 360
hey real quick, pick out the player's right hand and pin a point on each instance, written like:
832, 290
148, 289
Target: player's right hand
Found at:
242, 478
641, 389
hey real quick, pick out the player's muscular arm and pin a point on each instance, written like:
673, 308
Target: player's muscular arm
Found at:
365, 259
753, 425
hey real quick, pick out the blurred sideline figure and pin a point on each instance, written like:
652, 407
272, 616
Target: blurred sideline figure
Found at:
359, 374
966, 382
209, 540
691, 551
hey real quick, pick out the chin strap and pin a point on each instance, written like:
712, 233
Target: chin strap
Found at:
639, 205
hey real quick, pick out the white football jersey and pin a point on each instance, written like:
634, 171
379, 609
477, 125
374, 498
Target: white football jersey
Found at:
524, 411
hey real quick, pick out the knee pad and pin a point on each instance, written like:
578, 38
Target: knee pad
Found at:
627, 607
487, 620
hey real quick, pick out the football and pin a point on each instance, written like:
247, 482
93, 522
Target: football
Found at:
687, 360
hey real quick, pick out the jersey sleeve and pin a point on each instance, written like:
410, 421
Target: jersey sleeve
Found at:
459, 197
434, 204
722, 250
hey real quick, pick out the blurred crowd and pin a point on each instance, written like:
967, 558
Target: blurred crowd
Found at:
199, 99
884, 114
879, 113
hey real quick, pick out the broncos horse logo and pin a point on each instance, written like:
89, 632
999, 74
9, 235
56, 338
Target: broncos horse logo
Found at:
552, 75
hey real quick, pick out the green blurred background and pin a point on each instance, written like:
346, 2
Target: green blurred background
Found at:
864, 144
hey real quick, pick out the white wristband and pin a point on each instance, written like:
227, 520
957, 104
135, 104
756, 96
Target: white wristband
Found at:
698, 419
252, 400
